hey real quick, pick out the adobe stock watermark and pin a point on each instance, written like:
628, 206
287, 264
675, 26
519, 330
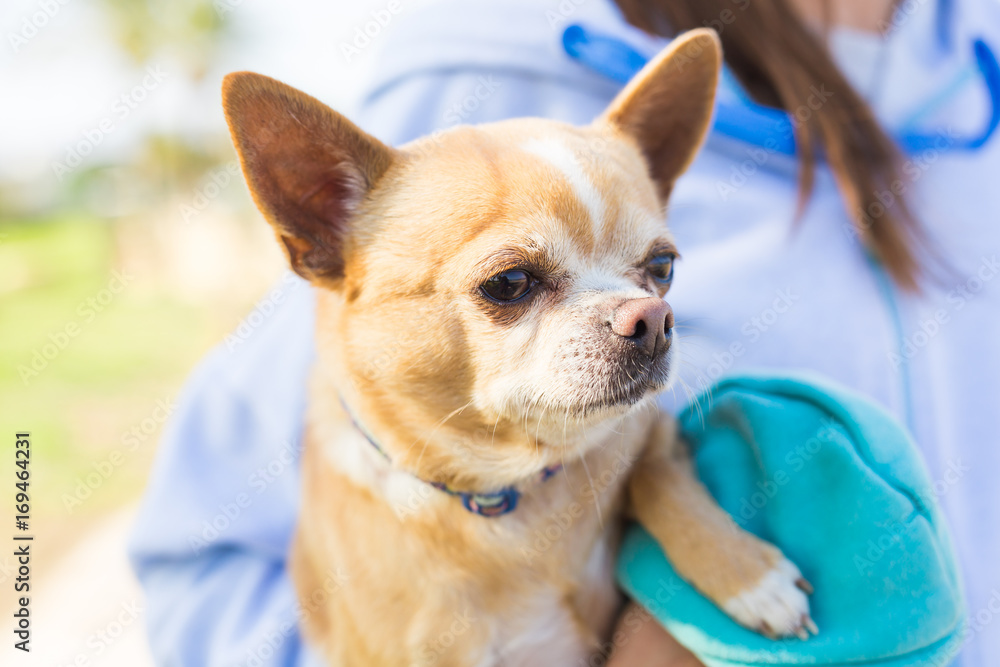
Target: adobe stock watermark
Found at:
758, 156
121, 109
634, 620
212, 186
261, 655
912, 170
693, 50
561, 521
365, 34
894, 533
458, 112
385, 362
753, 330
594, 153
33, 23
975, 625
102, 639
560, 15
726, 17
87, 310
223, 7
131, 440
435, 649
7, 569
420, 492
958, 297
262, 311
901, 15
794, 462
259, 481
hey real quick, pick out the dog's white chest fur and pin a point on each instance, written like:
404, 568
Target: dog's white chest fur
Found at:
353, 455
546, 632
547, 636
544, 628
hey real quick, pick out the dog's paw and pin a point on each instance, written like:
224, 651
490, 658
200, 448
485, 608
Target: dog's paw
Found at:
777, 606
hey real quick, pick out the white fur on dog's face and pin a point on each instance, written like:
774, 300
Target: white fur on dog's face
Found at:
399, 243
577, 210
560, 358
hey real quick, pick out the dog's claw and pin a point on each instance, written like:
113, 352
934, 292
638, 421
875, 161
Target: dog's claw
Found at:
777, 606
810, 624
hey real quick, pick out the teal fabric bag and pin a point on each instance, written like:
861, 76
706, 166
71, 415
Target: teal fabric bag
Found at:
836, 483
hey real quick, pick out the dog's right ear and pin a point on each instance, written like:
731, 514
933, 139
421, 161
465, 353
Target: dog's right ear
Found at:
307, 166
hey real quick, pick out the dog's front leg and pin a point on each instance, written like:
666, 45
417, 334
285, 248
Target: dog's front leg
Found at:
749, 578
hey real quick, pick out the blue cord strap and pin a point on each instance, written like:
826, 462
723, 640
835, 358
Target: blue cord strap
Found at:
493, 504
609, 56
989, 69
739, 117
889, 297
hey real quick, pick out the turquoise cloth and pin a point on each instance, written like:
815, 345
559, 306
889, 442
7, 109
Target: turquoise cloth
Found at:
836, 483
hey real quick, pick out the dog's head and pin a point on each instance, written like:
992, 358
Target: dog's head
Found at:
506, 279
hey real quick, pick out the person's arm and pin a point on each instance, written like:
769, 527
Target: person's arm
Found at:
209, 542
640, 641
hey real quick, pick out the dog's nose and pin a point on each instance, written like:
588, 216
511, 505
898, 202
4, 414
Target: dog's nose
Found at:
645, 322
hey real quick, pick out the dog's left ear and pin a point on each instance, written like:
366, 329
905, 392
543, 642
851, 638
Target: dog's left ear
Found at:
307, 166
666, 108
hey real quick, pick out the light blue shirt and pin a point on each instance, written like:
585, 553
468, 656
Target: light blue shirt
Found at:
754, 289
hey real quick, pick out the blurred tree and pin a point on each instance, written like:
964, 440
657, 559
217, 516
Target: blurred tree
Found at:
190, 34
190, 31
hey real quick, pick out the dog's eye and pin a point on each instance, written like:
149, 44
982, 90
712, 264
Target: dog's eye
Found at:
508, 286
661, 268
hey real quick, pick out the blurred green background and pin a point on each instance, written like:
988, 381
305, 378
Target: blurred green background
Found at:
110, 289
128, 242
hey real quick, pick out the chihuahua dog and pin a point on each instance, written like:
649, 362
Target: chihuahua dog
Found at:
491, 331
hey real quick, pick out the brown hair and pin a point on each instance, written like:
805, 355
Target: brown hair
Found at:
781, 62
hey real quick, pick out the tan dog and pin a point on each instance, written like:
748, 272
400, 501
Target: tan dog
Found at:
490, 308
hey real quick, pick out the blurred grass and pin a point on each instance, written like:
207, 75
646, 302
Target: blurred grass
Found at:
107, 379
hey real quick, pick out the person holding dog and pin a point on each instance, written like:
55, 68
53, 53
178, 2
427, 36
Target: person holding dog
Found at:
838, 220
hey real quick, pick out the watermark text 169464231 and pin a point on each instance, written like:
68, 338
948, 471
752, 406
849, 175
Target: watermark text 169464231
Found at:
22, 542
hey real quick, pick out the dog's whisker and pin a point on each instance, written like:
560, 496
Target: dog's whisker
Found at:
434, 430
597, 502
562, 448
496, 424
527, 413
692, 321
695, 400
538, 423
